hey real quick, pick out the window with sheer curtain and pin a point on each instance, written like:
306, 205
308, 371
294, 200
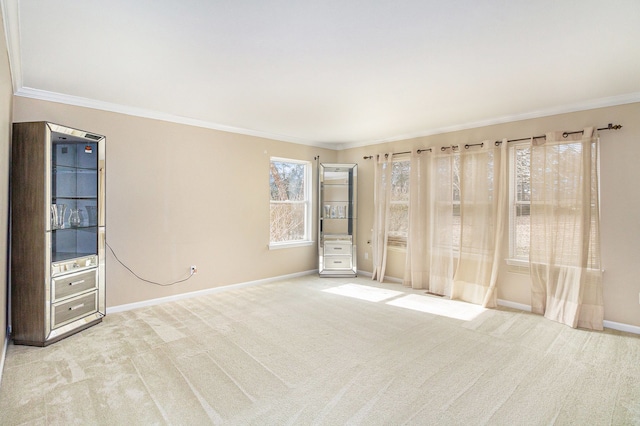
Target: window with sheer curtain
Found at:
457, 218
564, 251
482, 207
456, 221
520, 200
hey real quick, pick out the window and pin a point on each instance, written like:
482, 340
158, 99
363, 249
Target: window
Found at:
290, 202
399, 209
559, 174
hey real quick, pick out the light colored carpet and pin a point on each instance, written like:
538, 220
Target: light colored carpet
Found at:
325, 351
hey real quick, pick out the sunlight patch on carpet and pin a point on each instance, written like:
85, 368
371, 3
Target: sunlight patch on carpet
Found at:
443, 307
363, 292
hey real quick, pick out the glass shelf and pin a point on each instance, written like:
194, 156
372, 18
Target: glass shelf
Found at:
338, 218
57, 168
60, 256
69, 227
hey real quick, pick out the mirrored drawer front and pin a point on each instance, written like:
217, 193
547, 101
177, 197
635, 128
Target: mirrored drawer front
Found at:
73, 309
337, 262
337, 248
68, 285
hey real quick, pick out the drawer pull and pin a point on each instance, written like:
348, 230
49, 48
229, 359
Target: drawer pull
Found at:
76, 282
73, 308
338, 261
337, 248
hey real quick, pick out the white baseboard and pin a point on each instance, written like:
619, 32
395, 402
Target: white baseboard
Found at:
151, 302
3, 355
621, 326
387, 279
514, 305
607, 324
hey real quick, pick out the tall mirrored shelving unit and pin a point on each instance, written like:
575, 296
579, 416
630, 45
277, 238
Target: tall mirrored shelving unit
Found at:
57, 232
337, 215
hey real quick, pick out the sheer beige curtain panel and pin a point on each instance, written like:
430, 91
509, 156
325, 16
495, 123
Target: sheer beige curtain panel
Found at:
565, 230
381, 205
418, 258
441, 270
483, 198
429, 262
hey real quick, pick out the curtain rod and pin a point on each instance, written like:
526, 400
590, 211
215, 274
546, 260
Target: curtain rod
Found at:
610, 126
369, 157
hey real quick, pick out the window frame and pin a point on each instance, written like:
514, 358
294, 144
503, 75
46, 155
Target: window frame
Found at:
307, 239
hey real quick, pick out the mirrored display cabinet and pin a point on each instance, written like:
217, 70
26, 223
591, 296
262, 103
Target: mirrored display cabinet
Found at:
337, 219
57, 232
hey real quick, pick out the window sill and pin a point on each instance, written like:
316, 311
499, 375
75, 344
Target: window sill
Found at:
290, 244
518, 262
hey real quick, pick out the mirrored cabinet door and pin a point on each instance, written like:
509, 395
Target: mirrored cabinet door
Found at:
74, 198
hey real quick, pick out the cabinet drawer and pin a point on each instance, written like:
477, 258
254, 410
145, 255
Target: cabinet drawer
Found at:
68, 285
337, 262
337, 248
72, 309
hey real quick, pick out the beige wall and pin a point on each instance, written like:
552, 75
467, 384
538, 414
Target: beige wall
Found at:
6, 95
620, 227
179, 195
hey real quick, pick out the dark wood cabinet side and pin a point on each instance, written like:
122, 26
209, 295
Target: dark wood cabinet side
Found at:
28, 241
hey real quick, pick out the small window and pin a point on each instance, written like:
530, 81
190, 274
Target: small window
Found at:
519, 202
399, 209
290, 202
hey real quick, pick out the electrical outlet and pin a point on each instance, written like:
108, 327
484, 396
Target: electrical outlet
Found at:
194, 269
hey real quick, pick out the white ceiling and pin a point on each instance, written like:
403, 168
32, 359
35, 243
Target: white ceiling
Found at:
329, 73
